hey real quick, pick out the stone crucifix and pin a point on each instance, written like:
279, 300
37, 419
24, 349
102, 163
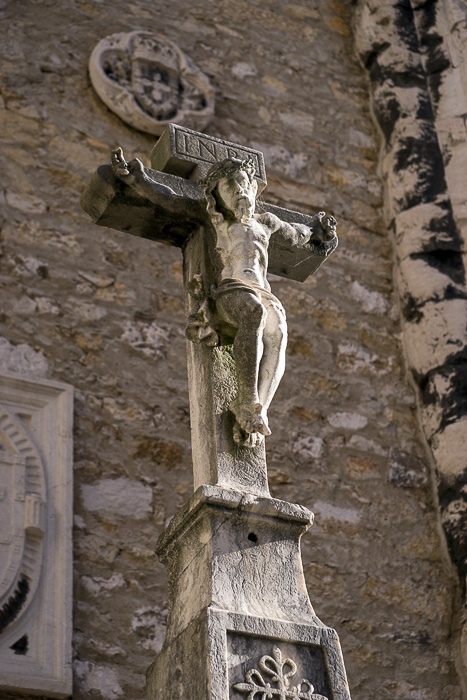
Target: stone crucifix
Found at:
201, 195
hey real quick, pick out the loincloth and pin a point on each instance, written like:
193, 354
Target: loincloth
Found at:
232, 284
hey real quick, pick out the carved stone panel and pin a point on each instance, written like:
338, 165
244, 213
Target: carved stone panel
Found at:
148, 82
188, 154
278, 669
35, 535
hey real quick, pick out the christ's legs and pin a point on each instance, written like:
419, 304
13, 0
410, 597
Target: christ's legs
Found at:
243, 310
272, 364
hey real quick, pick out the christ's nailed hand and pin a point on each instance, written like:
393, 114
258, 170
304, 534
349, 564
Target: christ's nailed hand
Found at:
324, 227
128, 172
329, 225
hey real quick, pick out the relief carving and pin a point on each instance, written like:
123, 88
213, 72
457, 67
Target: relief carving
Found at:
278, 683
148, 82
22, 521
35, 536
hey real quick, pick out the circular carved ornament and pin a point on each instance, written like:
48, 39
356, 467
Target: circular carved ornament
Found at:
148, 82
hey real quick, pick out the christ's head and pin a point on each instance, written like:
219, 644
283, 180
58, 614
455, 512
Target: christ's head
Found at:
230, 188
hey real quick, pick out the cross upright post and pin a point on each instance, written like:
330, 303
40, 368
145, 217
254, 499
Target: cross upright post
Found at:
237, 591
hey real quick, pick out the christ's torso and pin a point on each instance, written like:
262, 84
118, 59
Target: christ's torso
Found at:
243, 252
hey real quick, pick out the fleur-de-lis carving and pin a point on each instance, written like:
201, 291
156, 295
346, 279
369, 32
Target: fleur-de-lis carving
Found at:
278, 685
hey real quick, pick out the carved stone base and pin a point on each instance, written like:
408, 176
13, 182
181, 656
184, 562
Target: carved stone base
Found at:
239, 613
222, 655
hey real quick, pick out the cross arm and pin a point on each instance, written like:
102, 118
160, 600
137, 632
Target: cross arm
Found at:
112, 203
167, 212
149, 186
161, 204
296, 247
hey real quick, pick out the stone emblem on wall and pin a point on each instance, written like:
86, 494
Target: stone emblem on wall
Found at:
148, 82
22, 519
35, 536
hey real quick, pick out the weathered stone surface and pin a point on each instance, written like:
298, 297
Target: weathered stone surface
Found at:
149, 82
448, 446
234, 645
420, 161
35, 541
217, 459
22, 359
406, 470
435, 336
190, 154
236, 591
120, 497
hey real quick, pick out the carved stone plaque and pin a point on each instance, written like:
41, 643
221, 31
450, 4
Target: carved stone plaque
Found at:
188, 154
148, 82
278, 669
35, 535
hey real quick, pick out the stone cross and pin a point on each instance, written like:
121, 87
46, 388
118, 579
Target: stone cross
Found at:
240, 622
200, 195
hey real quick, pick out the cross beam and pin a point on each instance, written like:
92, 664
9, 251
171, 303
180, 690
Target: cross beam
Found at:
178, 160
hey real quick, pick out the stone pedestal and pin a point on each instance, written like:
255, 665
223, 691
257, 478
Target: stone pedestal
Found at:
239, 614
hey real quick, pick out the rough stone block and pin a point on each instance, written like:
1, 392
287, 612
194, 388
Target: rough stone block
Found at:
449, 448
430, 341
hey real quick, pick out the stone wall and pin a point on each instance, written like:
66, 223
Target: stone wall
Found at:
104, 312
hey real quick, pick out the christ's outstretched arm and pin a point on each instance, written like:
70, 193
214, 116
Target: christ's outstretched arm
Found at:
138, 177
322, 229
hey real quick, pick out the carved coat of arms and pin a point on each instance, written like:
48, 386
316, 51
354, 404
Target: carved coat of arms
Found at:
22, 518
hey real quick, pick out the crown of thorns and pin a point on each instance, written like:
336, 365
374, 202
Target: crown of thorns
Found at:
227, 167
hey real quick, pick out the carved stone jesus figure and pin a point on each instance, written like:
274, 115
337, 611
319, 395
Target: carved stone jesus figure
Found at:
241, 294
